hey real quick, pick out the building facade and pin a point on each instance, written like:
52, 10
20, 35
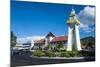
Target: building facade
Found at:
51, 40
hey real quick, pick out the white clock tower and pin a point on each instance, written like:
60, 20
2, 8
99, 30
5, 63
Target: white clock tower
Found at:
73, 32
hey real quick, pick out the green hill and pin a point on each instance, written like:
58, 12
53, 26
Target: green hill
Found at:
88, 42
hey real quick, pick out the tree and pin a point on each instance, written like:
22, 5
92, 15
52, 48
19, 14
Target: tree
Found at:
89, 42
60, 45
49, 47
13, 39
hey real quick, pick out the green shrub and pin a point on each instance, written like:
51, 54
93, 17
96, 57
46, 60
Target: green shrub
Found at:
50, 54
63, 50
70, 54
64, 54
57, 54
38, 53
59, 50
87, 53
73, 53
49, 47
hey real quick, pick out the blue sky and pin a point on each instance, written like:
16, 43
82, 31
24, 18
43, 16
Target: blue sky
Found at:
33, 19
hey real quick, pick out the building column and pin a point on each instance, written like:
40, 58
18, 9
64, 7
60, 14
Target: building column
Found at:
46, 42
32, 44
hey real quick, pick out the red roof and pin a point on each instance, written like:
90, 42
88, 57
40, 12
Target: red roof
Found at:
60, 38
40, 41
55, 39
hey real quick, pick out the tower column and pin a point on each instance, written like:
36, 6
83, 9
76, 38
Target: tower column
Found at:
73, 32
70, 35
78, 43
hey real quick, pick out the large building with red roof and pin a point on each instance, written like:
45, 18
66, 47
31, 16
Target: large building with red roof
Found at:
52, 40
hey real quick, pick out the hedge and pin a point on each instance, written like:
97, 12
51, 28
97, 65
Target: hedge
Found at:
40, 53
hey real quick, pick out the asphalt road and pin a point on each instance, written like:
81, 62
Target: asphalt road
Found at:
25, 60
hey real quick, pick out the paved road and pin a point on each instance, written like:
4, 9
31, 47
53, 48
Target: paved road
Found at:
24, 60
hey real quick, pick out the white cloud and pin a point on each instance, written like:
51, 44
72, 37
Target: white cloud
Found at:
83, 25
87, 18
87, 15
86, 28
29, 39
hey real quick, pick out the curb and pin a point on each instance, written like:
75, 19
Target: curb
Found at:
58, 57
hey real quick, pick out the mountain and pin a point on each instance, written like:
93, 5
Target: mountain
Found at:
88, 42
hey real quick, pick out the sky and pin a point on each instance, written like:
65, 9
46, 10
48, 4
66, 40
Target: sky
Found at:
34, 20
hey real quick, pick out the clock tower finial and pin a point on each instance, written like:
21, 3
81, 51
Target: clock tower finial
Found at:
73, 17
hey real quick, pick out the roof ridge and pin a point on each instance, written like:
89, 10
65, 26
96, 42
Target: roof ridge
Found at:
62, 36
